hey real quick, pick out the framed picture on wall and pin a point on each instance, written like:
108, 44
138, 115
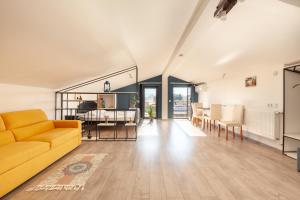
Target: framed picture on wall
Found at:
250, 81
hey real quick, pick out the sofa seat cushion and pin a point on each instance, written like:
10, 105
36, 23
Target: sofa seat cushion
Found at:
14, 154
56, 136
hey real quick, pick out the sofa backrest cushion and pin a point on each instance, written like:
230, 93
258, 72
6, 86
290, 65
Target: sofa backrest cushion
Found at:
2, 125
31, 130
13, 120
6, 137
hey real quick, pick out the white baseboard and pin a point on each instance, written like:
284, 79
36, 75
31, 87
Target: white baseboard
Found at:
269, 142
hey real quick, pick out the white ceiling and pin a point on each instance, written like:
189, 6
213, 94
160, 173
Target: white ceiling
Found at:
57, 43
256, 34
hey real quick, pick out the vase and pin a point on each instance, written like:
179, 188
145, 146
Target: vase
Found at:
89, 136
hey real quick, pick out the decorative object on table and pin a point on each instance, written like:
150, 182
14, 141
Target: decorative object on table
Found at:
133, 102
130, 120
110, 100
298, 159
106, 118
106, 86
150, 112
79, 98
73, 175
89, 136
102, 103
250, 81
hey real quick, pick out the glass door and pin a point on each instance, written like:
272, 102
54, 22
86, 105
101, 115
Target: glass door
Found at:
181, 101
150, 102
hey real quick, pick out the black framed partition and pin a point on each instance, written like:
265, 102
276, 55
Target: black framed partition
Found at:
99, 110
291, 106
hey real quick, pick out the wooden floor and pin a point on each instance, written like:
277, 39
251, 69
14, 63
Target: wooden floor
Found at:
166, 163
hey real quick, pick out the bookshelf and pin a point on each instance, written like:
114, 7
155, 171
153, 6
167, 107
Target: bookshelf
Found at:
107, 101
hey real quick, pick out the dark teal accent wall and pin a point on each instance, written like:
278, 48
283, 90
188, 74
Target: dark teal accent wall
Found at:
123, 100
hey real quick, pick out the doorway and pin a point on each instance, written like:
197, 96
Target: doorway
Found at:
181, 102
150, 102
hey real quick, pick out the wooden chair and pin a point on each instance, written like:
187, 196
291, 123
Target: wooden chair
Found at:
237, 116
214, 115
197, 115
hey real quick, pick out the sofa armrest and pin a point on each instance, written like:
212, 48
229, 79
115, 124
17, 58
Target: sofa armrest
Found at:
67, 123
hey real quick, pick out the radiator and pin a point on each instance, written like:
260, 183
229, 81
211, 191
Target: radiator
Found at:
268, 124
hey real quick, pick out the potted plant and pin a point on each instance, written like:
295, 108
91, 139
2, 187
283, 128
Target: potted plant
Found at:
150, 112
133, 101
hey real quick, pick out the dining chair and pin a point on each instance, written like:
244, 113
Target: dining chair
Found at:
197, 114
237, 119
214, 115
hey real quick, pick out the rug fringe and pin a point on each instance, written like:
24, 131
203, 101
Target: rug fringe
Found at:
56, 188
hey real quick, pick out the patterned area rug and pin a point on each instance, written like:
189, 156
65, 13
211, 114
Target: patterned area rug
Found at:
73, 175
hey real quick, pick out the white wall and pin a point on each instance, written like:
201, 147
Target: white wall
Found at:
262, 100
16, 97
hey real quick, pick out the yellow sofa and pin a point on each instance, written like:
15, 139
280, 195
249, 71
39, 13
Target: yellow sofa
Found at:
29, 142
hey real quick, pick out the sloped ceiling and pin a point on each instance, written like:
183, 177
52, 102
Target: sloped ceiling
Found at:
57, 43
256, 34
54, 44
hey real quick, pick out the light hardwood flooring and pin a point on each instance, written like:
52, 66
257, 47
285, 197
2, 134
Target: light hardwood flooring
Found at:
167, 163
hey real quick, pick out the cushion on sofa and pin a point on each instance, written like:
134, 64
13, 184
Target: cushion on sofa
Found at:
2, 125
19, 119
6, 137
14, 154
56, 136
31, 130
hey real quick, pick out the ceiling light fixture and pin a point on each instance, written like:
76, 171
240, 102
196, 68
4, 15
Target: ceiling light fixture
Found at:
223, 8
